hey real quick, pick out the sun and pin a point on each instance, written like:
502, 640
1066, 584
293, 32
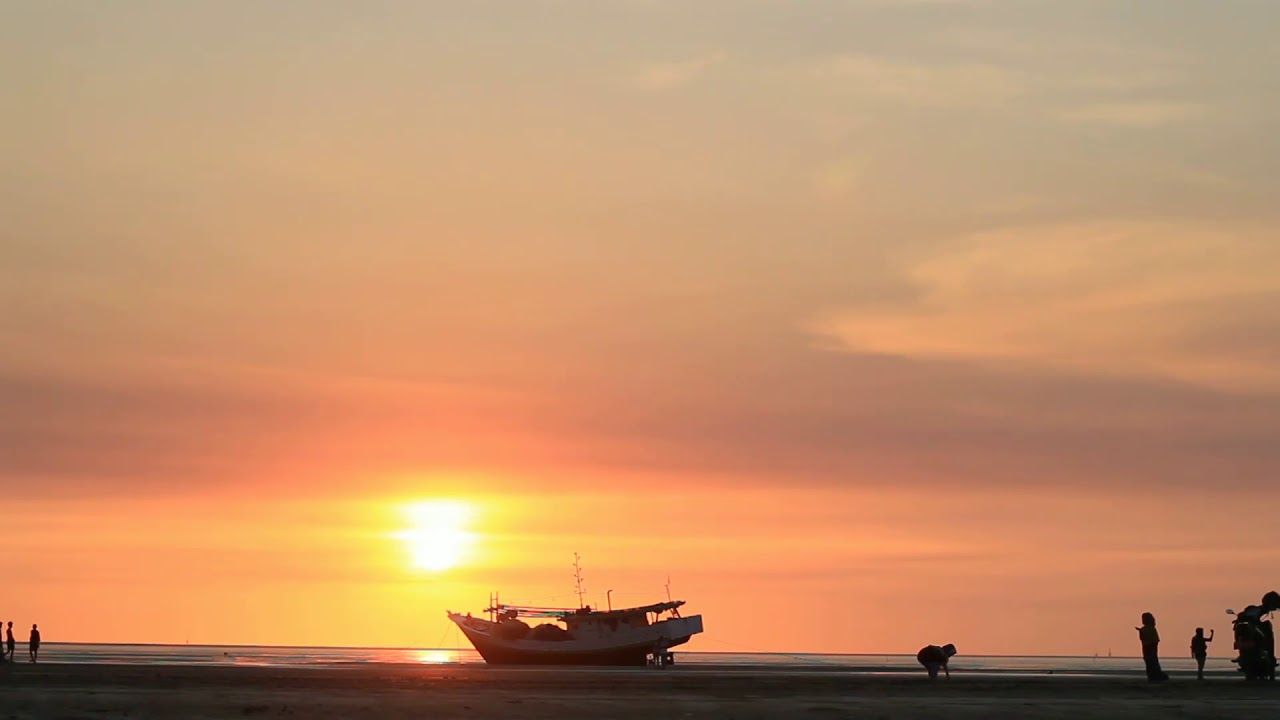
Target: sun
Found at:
437, 538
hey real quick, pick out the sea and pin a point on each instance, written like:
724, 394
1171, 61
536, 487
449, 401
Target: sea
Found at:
337, 657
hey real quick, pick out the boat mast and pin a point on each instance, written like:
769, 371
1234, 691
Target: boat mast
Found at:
674, 612
577, 578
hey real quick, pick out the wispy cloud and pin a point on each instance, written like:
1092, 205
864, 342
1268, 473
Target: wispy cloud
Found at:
1111, 297
838, 179
1136, 115
669, 74
950, 84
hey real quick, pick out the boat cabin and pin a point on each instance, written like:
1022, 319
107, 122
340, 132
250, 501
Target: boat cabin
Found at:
585, 623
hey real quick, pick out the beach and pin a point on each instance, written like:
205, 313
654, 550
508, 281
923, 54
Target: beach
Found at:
49, 691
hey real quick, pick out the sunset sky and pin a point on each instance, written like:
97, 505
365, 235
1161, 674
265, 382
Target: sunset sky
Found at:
871, 323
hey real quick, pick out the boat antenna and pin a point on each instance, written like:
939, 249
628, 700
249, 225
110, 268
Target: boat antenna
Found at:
668, 588
577, 577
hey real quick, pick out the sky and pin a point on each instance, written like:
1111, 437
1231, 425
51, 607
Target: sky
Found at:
868, 323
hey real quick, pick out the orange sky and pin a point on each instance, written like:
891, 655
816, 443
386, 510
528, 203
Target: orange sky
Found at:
871, 323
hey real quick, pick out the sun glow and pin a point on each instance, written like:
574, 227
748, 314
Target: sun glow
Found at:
438, 539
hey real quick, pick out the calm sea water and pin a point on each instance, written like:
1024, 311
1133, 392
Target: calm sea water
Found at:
320, 657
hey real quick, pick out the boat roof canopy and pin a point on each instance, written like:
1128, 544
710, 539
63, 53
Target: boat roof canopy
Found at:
560, 613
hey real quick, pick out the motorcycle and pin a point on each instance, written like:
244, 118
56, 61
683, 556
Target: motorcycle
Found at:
1255, 640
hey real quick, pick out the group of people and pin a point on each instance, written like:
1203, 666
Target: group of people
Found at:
1150, 639
10, 646
935, 657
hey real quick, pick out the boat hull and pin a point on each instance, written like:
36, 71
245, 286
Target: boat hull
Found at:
496, 654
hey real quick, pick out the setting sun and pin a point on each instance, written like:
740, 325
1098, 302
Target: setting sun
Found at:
437, 539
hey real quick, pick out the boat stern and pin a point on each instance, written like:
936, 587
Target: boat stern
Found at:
677, 631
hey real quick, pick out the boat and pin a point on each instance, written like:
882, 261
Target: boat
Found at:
632, 636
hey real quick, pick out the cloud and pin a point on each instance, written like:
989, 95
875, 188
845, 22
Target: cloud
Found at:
1107, 297
769, 413
837, 180
1135, 115
934, 85
116, 435
668, 75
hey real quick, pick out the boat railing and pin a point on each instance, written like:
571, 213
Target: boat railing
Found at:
532, 611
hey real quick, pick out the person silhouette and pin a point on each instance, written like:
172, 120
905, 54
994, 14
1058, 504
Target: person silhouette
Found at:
34, 642
4, 655
1200, 650
13, 646
1151, 648
935, 658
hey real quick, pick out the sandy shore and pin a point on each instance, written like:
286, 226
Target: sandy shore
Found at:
49, 692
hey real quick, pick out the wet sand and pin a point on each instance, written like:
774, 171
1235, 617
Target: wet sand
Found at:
51, 691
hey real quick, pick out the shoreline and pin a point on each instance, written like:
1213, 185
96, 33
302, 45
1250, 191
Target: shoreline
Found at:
479, 691
345, 656
695, 669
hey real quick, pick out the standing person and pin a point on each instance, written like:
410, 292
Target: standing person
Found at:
13, 646
1200, 650
1151, 648
4, 655
34, 642
935, 658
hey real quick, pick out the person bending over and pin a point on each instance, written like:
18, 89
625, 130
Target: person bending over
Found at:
935, 658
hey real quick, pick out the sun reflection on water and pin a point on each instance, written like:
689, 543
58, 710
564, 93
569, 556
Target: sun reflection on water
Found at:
435, 657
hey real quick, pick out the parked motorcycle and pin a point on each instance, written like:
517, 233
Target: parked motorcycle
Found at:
1255, 640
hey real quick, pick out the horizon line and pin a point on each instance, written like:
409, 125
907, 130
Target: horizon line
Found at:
438, 649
